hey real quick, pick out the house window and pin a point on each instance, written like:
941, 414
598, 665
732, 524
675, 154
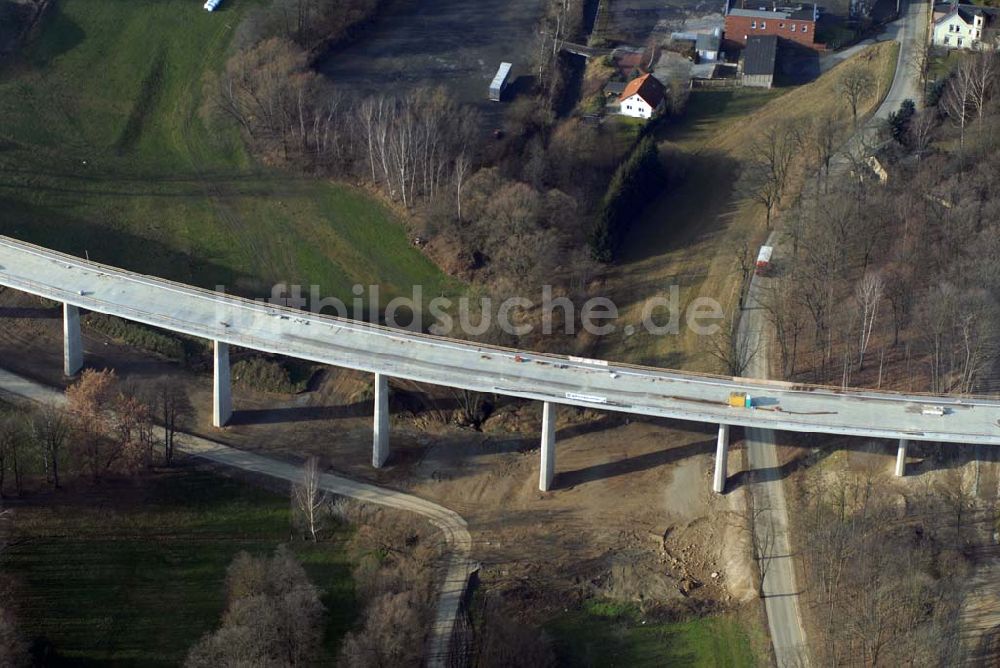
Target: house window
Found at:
629, 107
960, 41
793, 27
947, 39
805, 28
753, 25
781, 25
763, 25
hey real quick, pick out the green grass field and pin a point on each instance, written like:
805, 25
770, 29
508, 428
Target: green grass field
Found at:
108, 146
610, 634
132, 574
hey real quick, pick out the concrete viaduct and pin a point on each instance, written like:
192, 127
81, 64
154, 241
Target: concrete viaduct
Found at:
552, 379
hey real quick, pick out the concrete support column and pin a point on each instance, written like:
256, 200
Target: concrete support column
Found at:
901, 458
547, 471
72, 344
222, 395
380, 440
721, 460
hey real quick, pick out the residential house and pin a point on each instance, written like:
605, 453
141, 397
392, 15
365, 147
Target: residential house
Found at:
960, 26
796, 23
642, 98
758, 61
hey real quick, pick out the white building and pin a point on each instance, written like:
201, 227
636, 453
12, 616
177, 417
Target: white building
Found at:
958, 26
642, 97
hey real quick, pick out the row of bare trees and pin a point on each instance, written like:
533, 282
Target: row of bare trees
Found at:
884, 582
107, 427
411, 146
969, 91
888, 284
416, 145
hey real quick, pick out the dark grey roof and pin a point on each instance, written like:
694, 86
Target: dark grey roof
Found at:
614, 87
707, 42
769, 10
965, 12
759, 55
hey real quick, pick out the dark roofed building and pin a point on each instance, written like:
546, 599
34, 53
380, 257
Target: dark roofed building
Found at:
758, 61
614, 88
960, 26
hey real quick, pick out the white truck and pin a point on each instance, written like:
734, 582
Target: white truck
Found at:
763, 264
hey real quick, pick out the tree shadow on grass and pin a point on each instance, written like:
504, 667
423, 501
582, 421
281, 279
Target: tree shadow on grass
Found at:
53, 229
58, 34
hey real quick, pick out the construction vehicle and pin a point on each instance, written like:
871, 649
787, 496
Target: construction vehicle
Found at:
740, 400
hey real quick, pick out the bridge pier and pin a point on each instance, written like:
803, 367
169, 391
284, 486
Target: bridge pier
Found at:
222, 387
380, 440
901, 458
72, 342
547, 470
721, 460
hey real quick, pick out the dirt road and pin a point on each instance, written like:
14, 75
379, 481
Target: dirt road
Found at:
451, 524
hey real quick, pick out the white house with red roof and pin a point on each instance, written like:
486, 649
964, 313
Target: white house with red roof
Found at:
642, 97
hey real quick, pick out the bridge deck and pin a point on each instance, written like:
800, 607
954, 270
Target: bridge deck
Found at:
419, 357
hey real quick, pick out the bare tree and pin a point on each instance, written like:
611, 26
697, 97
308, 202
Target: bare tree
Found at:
174, 411
984, 68
765, 175
50, 427
825, 133
868, 294
958, 101
309, 497
10, 437
856, 84
758, 524
781, 303
110, 428
921, 129
735, 352
462, 165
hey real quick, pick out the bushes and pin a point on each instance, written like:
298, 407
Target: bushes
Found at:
632, 187
273, 617
264, 375
899, 121
139, 336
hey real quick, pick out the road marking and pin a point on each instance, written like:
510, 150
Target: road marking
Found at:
591, 398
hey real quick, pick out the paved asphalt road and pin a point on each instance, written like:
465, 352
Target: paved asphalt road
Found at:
781, 589
403, 354
451, 524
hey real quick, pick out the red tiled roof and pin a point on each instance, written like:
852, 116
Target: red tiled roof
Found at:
647, 87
